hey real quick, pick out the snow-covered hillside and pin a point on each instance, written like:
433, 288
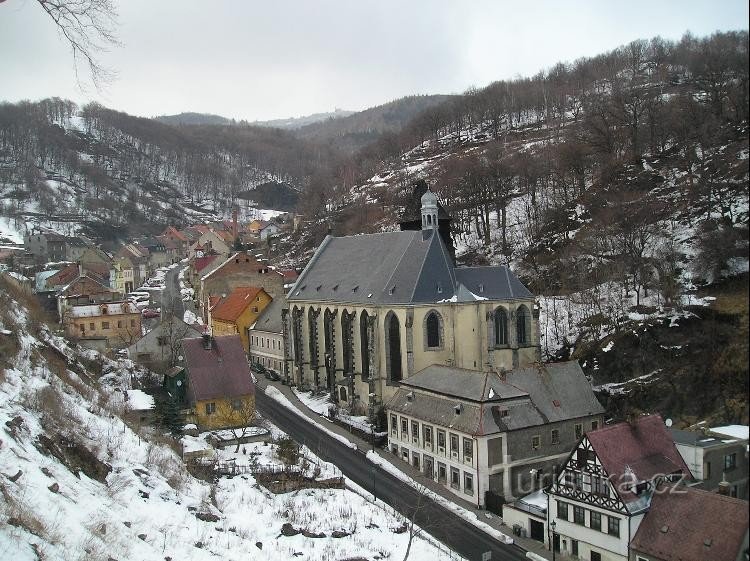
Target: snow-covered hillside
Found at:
79, 482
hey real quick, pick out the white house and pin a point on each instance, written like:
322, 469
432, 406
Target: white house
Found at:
266, 337
605, 488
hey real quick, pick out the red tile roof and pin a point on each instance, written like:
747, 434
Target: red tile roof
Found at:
643, 446
64, 276
231, 307
239, 262
221, 372
289, 274
686, 524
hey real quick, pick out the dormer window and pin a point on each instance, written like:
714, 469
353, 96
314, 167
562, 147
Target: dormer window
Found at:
439, 288
392, 290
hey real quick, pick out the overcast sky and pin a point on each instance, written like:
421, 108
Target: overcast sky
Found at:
281, 58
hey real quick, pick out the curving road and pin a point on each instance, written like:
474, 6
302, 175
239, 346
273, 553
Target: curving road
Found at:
452, 530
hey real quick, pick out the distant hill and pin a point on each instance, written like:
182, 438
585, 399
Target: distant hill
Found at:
360, 129
293, 123
193, 119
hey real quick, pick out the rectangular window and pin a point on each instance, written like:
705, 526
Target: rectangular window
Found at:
442, 473
454, 445
578, 430
596, 520
427, 435
105, 325
441, 441
237, 404
535, 442
404, 428
555, 436
132, 323
569, 478
574, 547
468, 450
91, 326
81, 327
613, 526
582, 457
415, 461
594, 425
600, 486
562, 510
415, 432
405, 454
119, 324
596, 556
707, 470
578, 480
455, 478
468, 483
579, 515
730, 461
210, 408
394, 425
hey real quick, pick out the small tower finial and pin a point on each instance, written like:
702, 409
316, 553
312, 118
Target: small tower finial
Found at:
429, 211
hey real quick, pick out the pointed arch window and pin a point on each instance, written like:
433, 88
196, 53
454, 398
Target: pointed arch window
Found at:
433, 330
347, 341
523, 325
364, 344
393, 348
501, 327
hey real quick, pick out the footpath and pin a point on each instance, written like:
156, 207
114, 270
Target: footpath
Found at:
536, 548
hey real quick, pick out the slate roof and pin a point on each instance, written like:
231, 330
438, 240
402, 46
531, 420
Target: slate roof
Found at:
221, 372
407, 267
692, 525
232, 307
269, 319
697, 439
532, 396
642, 446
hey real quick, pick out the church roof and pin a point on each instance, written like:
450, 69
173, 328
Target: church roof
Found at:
408, 267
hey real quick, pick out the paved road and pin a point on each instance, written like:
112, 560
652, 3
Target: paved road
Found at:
451, 529
171, 299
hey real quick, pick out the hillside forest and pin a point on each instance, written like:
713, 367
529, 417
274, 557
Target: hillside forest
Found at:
616, 186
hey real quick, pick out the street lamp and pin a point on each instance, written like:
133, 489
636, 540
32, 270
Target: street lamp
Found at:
553, 525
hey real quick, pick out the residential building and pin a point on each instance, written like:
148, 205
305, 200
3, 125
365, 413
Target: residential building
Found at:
714, 458
485, 434
211, 242
122, 275
83, 289
241, 269
266, 337
369, 311
159, 349
117, 323
235, 313
692, 525
220, 388
605, 488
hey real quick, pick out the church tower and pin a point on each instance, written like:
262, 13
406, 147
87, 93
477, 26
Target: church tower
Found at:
411, 219
429, 211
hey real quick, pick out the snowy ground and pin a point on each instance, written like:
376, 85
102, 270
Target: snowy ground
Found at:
375, 458
321, 405
147, 506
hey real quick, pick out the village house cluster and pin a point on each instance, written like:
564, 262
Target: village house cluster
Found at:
444, 359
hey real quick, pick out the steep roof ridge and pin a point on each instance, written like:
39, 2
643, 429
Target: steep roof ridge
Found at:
421, 266
507, 279
398, 264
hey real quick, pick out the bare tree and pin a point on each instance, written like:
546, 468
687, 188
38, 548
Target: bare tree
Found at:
89, 27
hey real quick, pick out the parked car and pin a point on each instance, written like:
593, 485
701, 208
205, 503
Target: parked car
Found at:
273, 375
150, 313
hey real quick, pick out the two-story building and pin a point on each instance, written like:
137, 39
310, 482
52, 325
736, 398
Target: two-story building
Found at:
716, 458
220, 389
484, 434
116, 324
266, 337
235, 313
606, 485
